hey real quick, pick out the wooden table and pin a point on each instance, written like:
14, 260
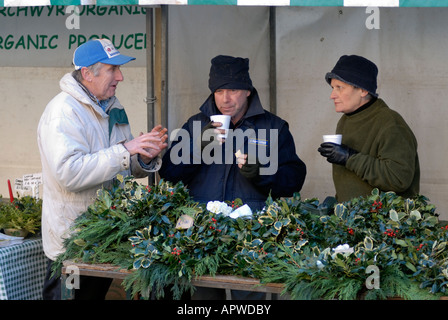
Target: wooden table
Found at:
219, 281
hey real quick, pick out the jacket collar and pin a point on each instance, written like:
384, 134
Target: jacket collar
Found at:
363, 107
69, 85
209, 108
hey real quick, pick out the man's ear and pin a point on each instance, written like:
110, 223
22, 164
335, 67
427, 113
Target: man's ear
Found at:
86, 74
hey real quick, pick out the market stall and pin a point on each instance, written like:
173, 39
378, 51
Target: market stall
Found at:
296, 248
291, 45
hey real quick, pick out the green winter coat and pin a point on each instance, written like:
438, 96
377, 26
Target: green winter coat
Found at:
387, 158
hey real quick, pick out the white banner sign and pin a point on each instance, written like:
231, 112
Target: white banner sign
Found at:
46, 36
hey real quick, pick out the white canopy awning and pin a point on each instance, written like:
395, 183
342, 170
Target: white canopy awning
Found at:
316, 3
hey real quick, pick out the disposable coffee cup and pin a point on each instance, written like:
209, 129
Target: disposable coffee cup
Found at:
334, 138
224, 120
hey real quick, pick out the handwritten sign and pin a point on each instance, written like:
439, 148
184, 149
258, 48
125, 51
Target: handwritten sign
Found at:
32, 179
18, 185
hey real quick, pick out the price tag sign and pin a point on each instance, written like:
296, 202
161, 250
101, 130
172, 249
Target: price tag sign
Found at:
18, 185
32, 179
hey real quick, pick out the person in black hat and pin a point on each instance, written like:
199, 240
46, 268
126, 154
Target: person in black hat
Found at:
210, 177
236, 167
378, 149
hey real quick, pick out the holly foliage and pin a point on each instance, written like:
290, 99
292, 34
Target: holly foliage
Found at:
24, 213
168, 240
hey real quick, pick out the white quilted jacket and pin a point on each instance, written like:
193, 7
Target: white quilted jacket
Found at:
78, 158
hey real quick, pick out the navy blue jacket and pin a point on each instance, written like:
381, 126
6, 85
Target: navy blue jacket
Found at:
222, 180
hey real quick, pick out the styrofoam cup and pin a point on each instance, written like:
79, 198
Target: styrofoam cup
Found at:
334, 138
225, 120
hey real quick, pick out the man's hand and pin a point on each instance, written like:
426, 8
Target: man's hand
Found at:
148, 145
212, 126
250, 171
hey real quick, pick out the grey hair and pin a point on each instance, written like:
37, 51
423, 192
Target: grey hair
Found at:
94, 68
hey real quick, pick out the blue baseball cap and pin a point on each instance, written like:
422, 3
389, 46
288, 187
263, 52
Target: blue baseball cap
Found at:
98, 50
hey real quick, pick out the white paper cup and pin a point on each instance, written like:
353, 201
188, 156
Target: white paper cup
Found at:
225, 120
334, 138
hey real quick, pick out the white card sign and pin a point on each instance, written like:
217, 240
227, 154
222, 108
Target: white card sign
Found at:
18, 185
32, 179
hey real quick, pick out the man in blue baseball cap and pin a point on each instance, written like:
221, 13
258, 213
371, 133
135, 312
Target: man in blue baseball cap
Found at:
98, 50
85, 141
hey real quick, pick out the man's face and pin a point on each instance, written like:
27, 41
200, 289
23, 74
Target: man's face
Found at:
232, 102
346, 97
103, 85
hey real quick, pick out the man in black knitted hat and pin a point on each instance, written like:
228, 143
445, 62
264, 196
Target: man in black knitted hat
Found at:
378, 148
258, 134
236, 167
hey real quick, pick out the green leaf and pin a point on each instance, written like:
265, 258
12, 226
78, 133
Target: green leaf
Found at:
166, 219
416, 214
137, 263
368, 243
189, 211
409, 205
80, 242
393, 215
139, 233
411, 266
340, 210
145, 263
165, 207
265, 220
278, 225
441, 246
340, 262
287, 243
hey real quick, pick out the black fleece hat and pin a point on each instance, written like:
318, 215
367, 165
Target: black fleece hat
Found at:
356, 71
228, 72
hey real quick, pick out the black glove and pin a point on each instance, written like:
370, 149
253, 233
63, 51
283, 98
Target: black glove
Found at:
335, 153
214, 138
250, 171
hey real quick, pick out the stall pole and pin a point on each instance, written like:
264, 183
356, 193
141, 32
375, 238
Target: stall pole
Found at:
150, 96
272, 61
164, 67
